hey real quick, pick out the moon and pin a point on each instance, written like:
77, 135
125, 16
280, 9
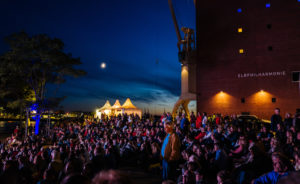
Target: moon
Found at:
103, 65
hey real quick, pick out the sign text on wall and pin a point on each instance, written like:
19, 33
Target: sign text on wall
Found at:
261, 74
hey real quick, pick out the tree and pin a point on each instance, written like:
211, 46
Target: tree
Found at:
33, 62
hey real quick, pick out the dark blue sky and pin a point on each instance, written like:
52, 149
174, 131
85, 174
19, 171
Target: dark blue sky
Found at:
129, 35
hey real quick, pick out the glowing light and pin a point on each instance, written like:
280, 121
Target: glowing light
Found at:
37, 118
106, 112
221, 99
261, 98
241, 51
103, 65
239, 10
240, 30
268, 5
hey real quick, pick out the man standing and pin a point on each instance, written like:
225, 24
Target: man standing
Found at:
184, 123
275, 119
170, 152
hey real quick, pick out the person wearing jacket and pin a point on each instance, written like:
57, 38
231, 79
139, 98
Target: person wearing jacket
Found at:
170, 152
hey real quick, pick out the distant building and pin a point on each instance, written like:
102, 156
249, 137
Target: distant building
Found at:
248, 56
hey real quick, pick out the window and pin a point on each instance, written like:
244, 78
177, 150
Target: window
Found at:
243, 100
239, 10
273, 100
296, 76
268, 5
240, 30
269, 26
241, 51
270, 48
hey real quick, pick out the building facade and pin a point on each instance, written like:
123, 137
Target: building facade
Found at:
248, 56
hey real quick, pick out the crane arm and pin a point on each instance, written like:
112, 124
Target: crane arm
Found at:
174, 20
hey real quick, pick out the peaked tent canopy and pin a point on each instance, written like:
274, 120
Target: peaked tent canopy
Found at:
117, 105
128, 104
105, 106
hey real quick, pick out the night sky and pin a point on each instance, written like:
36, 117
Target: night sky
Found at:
136, 39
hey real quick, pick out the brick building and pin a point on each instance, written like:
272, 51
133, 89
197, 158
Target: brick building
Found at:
248, 56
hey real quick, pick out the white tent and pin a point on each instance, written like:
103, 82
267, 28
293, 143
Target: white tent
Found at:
116, 109
129, 108
105, 109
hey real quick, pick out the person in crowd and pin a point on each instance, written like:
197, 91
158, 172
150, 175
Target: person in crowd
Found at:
193, 119
280, 169
199, 120
184, 123
170, 152
204, 119
276, 119
288, 121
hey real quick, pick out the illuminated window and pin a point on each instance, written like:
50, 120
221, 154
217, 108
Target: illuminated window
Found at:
268, 5
240, 30
241, 51
239, 10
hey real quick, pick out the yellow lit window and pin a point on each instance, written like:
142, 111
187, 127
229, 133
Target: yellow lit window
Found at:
240, 30
241, 51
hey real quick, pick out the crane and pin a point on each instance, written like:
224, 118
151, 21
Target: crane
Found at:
186, 55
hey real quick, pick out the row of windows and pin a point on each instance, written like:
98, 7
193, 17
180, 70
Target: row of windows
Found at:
240, 29
242, 51
268, 5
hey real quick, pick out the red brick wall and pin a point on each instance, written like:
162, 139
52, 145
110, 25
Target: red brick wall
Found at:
219, 61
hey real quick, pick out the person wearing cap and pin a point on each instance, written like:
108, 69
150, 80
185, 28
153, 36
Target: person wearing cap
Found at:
170, 152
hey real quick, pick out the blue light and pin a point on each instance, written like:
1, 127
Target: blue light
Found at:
298, 0
37, 118
239, 10
268, 5
37, 124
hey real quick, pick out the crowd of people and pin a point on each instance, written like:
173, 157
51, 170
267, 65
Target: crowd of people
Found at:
200, 149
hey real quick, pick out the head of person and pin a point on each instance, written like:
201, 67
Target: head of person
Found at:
280, 163
223, 176
188, 177
168, 127
111, 177
277, 111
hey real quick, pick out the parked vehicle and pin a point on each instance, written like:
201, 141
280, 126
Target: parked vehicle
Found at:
253, 121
